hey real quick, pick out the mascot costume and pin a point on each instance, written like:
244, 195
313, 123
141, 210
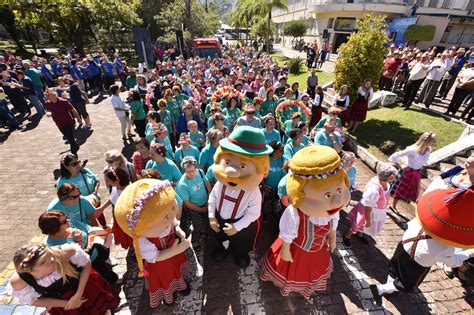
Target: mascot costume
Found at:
300, 258
444, 221
240, 164
146, 211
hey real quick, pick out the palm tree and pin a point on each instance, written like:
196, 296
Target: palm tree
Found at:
243, 14
263, 9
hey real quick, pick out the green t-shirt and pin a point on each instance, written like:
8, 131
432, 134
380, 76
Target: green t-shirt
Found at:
130, 82
80, 211
166, 118
136, 107
275, 174
193, 190
174, 108
85, 181
180, 154
168, 170
268, 107
35, 76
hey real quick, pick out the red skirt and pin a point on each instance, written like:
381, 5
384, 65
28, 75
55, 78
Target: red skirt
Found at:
99, 295
316, 114
120, 237
343, 116
359, 111
408, 187
165, 278
307, 273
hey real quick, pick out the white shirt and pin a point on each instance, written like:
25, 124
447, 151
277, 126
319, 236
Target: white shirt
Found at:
414, 159
262, 92
437, 74
290, 222
28, 294
419, 71
249, 209
346, 101
429, 252
148, 250
117, 102
114, 195
361, 91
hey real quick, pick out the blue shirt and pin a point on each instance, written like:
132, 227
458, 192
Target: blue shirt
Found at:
275, 174
322, 138
180, 154
206, 158
193, 190
80, 211
85, 181
210, 175
352, 175
289, 150
118, 65
46, 72
57, 69
108, 69
272, 136
76, 73
194, 136
459, 64
168, 170
92, 70
282, 187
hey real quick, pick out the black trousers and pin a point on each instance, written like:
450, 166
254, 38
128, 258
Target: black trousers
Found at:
19, 103
458, 97
68, 133
411, 89
385, 83
141, 125
241, 243
469, 111
446, 85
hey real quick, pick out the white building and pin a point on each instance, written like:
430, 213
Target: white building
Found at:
336, 19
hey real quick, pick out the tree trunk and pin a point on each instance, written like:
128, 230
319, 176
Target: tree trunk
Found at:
78, 40
267, 35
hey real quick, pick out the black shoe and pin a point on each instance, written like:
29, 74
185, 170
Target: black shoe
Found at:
169, 304
405, 108
219, 254
362, 239
346, 241
375, 293
243, 261
186, 291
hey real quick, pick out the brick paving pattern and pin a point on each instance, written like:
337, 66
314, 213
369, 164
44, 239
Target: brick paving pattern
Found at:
221, 288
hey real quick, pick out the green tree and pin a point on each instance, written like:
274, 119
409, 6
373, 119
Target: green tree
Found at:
147, 11
7, 19
202, 24
75, 21
296, 28
362, 56
242, 15
263, 9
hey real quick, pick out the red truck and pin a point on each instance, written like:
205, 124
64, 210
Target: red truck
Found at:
207, 47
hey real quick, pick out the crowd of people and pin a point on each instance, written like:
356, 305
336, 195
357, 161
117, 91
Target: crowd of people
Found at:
180, 110
424, 76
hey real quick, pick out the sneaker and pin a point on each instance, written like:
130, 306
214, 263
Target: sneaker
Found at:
376, 295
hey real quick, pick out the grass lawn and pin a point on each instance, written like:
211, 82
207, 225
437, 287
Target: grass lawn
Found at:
323, 76
387, 130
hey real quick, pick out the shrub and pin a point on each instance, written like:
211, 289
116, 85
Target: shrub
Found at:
295, 65
388, 147
296, 28
363, 55
419, 32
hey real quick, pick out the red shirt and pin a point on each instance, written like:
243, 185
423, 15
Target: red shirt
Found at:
139, 162
61, 112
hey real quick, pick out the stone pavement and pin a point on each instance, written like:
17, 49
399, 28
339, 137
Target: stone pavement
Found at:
216, 288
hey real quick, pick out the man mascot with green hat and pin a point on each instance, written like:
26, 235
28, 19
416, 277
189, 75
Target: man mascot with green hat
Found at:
240, 164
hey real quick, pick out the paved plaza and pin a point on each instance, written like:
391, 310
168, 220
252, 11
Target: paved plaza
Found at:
29, 158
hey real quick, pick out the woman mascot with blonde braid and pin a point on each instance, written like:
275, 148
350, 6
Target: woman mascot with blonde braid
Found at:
318, 187
146, 211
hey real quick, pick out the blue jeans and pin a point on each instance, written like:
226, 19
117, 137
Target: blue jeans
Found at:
37, 104
7, 115
40, 94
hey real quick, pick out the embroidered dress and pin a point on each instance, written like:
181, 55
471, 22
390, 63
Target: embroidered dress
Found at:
312, 263
358, 111
164, 277
376, 197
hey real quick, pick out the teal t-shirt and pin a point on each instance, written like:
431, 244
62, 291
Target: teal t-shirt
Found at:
232, 115
275, 174
130, 82
210, 175
175, 109
35, 76
210, 122
149, 132
272, 136
193, 190
322, 138
195, 136
79, 212
305, 140
290, 150
168, 170
136, 107
323, 120
85, 181
180, 154
206, 158
282, 187
166, 119
169, 149
268, 107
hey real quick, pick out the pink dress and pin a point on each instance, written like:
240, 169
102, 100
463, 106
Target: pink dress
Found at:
376, 197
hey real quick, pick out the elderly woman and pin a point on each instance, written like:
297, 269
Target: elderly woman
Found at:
296, 136
269, 131
161, 137
187, 115
75, 206
194, 188
368, 216
121, 111
206, 157
116, 159
141, 155
166, 167
329, 136
185, 149
153, 120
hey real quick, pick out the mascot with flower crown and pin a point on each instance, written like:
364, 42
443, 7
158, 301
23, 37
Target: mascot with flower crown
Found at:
318, 188
146, 211
240, 164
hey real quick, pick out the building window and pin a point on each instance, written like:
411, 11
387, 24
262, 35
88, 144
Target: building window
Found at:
433, 4
330, 22
446, 34
345, 24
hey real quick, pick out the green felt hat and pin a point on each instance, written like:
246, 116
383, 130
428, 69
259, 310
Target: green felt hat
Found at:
246, 140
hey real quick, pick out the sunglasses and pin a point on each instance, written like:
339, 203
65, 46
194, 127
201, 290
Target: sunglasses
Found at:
188, 108
76, 163
74, 197
219, 119
66, 220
